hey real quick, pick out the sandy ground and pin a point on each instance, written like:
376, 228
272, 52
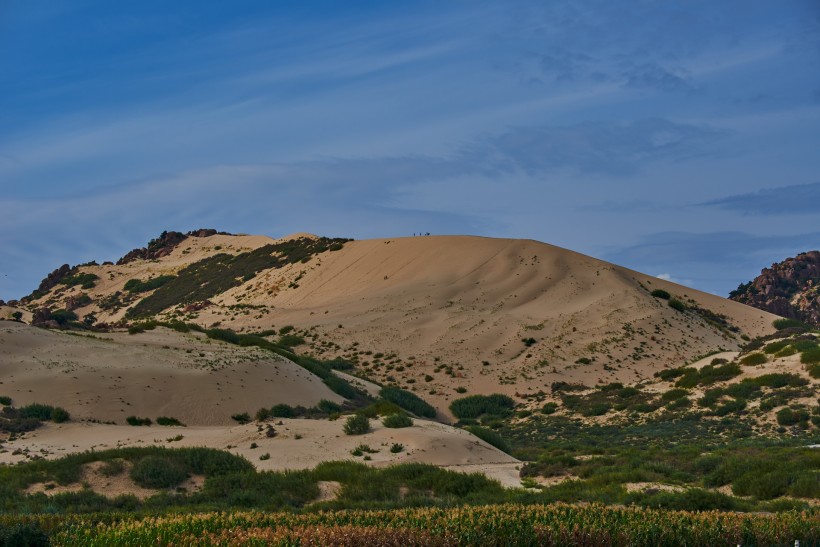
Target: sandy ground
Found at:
298, 444
156, 373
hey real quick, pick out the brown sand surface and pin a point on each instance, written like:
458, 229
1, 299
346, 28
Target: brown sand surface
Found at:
157, 373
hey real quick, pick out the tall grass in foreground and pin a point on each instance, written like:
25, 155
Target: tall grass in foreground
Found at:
509, 524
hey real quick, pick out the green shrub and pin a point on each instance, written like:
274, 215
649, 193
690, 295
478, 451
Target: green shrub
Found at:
395, 448
262, 414
810, 357
158, 472
660, 293
781, 324
475, 406
59, 415
358, 424
23, 534
408, 401
380, 408
792, 416
282, 411
43, 413
167, 421
674, 394
328, 407
133, 420
774, 347
85, 280
754, 359
138, 286
5, 401
777, 380
814, 370
549, 408
596, 409
490, 437
785, 352
763, 486
242, 418
396, 421
677, 305
63, 317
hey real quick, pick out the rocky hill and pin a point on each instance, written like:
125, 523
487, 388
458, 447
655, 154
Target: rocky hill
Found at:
790, 289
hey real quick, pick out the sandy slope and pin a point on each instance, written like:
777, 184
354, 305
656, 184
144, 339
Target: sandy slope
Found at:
299, 444
457, 308
156, 373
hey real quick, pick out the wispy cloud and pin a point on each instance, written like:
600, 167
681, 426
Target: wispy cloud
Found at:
798, 199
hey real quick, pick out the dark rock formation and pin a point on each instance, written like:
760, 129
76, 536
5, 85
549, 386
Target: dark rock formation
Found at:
165, 244
790, 289
157, 248
49, 282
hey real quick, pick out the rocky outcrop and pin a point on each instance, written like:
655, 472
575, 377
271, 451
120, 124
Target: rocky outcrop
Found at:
157, 248
50, 281
165, 244
790, 289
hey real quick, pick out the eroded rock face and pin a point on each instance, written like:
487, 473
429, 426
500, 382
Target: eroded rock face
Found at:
790, 288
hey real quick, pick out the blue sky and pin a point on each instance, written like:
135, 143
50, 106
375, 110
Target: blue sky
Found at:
676, 138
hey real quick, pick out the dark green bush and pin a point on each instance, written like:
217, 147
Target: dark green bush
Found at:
5, 401
763, 486
475, 406
408, 401
810, 357
549, 408
167, 421
777, 380
677, 305
63, 317
774, 347
138, 286
133, 420
23, 535
242, 418
792, 416
328, 407
490, 437
85, 280
781, 324
358, 424
43, 413
754, 359
282, 411
158, 472
660, 293
59, 415
396, 421
674, 394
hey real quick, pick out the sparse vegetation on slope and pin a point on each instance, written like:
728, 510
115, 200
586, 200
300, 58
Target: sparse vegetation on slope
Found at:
216, 274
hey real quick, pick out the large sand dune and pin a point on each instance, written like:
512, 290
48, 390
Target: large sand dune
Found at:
457, 309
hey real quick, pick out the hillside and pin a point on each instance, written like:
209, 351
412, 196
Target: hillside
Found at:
438, 315
557, 370
790, 288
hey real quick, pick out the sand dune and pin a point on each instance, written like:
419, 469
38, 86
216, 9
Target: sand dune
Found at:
108, 377
453, 311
